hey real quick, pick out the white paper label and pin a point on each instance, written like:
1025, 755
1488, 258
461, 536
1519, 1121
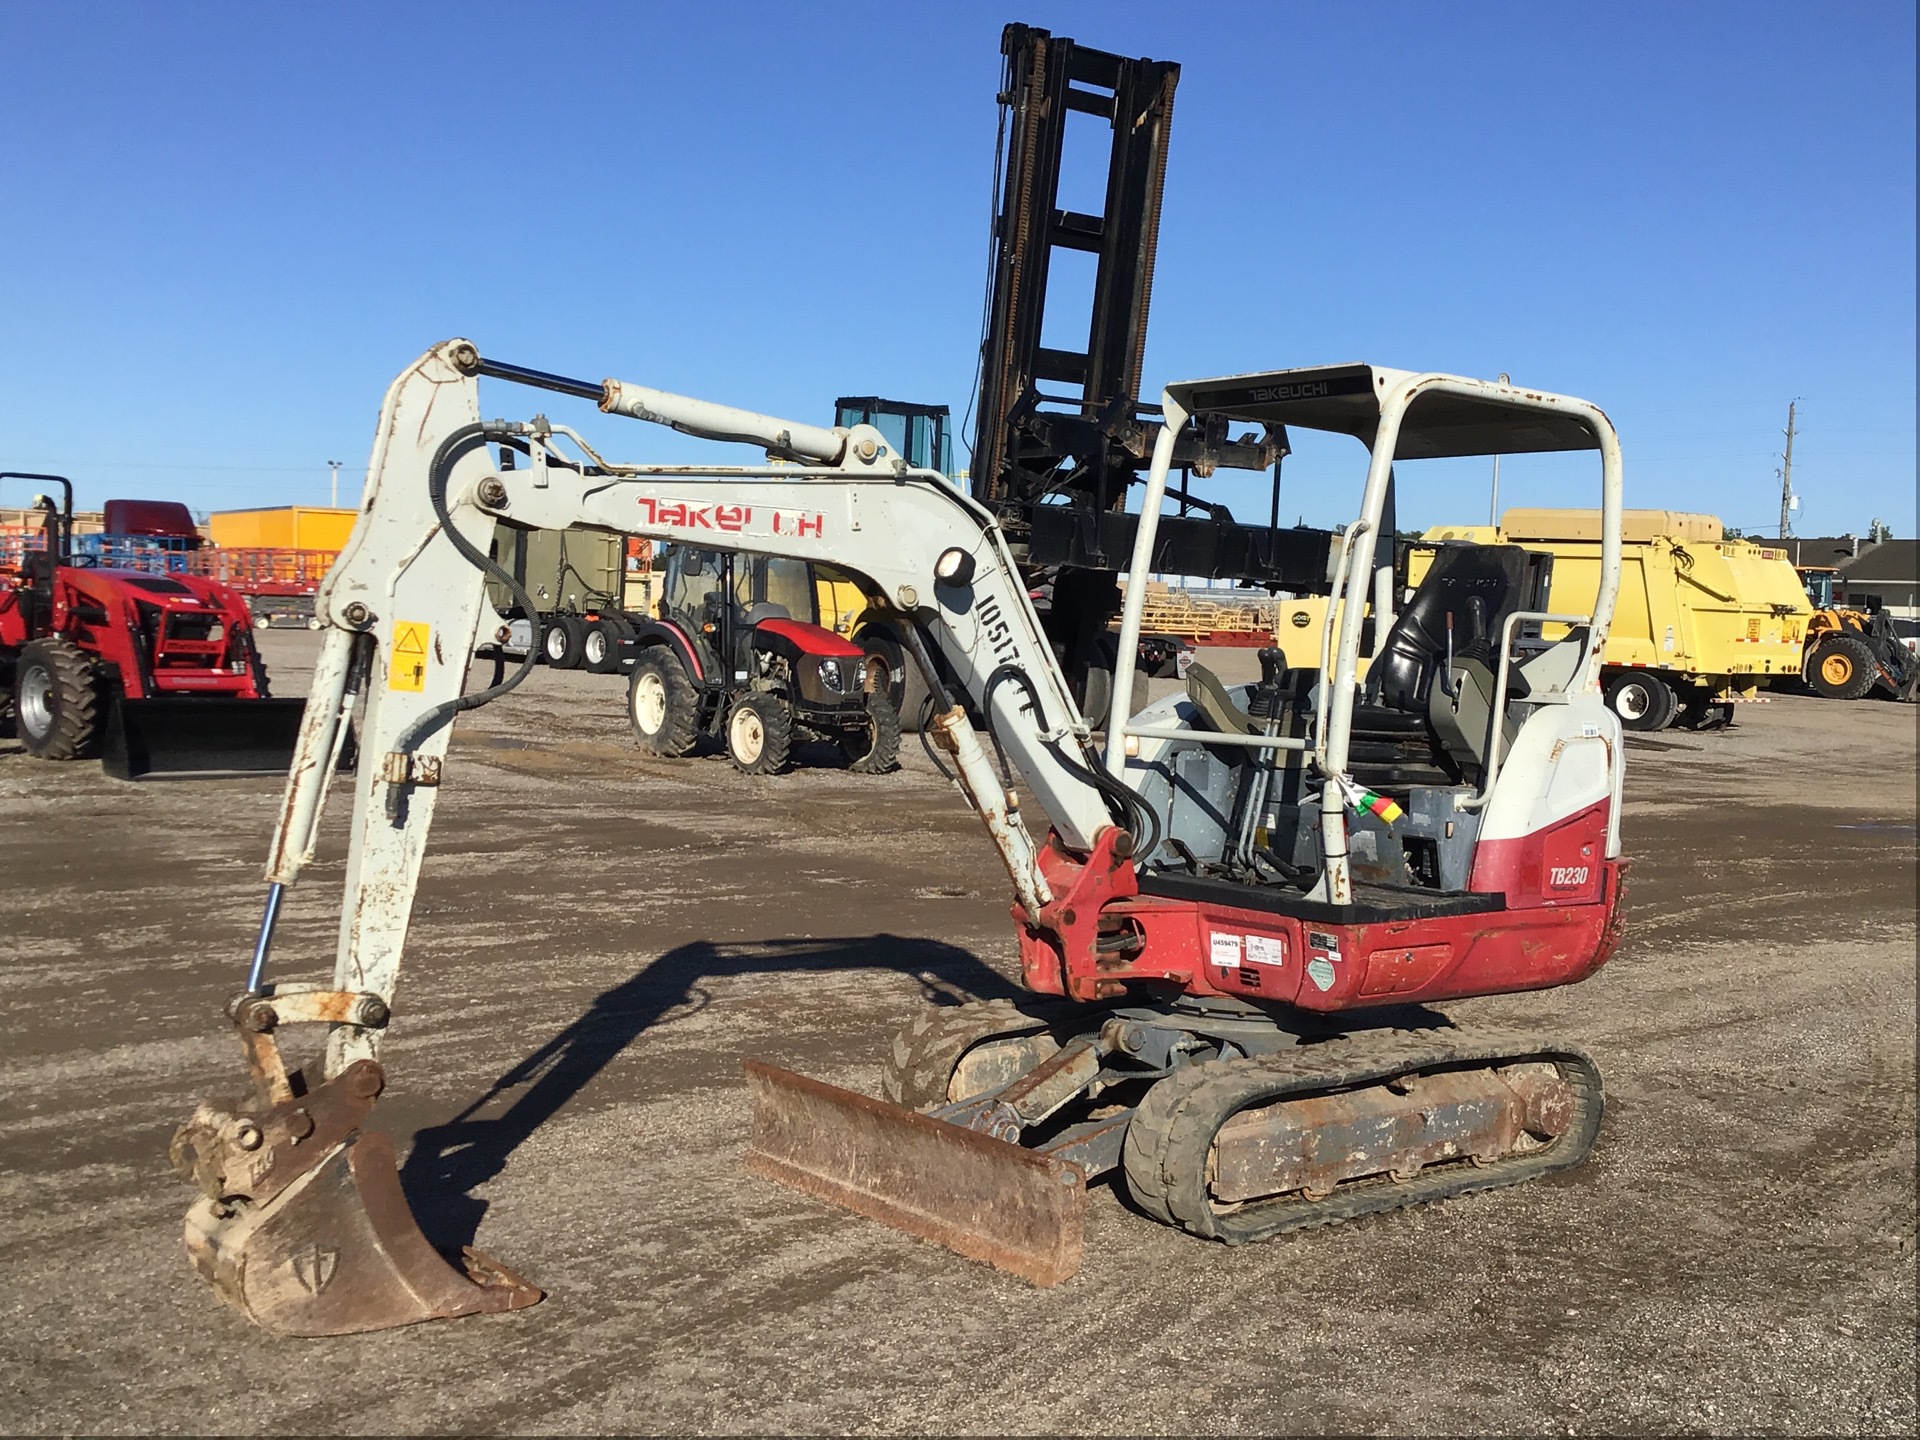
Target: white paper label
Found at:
1263, 950
1226, 949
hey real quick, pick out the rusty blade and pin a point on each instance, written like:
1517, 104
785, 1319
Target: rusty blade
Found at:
1017, 1210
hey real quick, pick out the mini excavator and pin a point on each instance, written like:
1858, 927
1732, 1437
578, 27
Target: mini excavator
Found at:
1235, 915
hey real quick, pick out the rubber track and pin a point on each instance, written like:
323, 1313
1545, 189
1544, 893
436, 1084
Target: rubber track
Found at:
1173, 1131
920, 1062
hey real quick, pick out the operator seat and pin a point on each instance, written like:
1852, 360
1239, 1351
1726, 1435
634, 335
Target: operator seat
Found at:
1439, 659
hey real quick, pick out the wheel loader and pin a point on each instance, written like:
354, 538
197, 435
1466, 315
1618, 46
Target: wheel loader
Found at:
1853, 652
111, 650
1236, 919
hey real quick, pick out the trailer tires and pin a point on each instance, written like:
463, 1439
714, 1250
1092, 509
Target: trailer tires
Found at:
56, 704
600, 649
1642, 700
1843, 668
1096, 694
759, 734
661, 704
565, 641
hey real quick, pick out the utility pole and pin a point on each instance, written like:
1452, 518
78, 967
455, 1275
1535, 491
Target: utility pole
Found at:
334, 496
1493, 503
1786, 474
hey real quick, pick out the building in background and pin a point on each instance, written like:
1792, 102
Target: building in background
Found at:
1886, 570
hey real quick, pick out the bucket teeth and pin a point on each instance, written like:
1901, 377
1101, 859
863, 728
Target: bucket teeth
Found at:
303, 1227
1015, 1209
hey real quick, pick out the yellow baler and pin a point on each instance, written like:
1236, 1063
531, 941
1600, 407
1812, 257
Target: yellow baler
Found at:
1703, 621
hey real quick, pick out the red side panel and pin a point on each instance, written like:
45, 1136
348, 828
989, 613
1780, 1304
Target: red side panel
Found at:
1560, 865
812, 639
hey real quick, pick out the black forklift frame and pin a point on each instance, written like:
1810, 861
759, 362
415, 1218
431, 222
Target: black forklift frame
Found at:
1055, 467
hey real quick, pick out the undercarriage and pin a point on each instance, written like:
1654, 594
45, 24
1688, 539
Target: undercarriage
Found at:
1231, 1121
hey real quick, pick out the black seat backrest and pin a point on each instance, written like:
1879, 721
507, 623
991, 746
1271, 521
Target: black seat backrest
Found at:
1478, 586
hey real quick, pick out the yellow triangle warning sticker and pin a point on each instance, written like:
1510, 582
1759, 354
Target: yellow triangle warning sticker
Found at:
409, 669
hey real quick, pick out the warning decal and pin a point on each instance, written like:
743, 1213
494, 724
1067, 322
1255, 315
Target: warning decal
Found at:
409, 668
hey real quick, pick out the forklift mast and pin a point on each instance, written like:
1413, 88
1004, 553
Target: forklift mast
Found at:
1061, 433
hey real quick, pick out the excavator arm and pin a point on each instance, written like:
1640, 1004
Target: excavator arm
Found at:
301, 1223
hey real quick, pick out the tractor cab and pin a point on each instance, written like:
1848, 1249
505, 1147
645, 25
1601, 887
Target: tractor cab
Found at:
917, 432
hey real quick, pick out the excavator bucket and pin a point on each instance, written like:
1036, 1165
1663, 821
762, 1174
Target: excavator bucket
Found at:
302, 1225
177, 736
1016, 1209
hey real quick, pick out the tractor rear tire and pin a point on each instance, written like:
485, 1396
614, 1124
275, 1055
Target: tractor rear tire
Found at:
901, 682
565, 643
662, 705
874, 748
1843, 668
56, 703
1642, 700
1702, 712
759, 733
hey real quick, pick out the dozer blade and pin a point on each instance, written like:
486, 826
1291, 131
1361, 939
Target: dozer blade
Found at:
180, 736
989, 1200
305, 1229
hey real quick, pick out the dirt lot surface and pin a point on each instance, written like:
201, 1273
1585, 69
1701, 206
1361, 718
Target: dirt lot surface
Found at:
600, 938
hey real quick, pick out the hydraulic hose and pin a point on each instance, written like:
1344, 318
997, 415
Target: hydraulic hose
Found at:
1133, 811
451, 450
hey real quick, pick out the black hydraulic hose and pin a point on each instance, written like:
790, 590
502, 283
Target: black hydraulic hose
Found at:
926, 722
1133, 811
452, 449
1116, 793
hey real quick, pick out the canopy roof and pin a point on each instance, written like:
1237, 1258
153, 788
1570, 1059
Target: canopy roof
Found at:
1346, 399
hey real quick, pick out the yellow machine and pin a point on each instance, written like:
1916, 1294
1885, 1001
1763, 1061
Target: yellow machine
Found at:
1852, 652
1703, 621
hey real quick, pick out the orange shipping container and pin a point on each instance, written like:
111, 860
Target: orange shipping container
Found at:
285, 527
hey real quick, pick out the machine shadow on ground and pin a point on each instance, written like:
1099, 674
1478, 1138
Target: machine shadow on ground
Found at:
449, 1162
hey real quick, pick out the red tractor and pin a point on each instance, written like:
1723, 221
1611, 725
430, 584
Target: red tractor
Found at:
726, 659
108, 648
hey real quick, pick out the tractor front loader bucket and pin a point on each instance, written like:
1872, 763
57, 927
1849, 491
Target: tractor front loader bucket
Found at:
985, 1198
302, 1225
180, 736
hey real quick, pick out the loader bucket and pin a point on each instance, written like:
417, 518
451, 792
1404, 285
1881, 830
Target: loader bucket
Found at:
199, 736
302, 1225
1016, 1209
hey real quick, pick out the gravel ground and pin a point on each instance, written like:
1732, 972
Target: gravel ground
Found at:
601, 937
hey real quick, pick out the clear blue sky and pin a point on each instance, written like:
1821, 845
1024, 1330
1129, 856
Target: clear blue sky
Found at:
229, 226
